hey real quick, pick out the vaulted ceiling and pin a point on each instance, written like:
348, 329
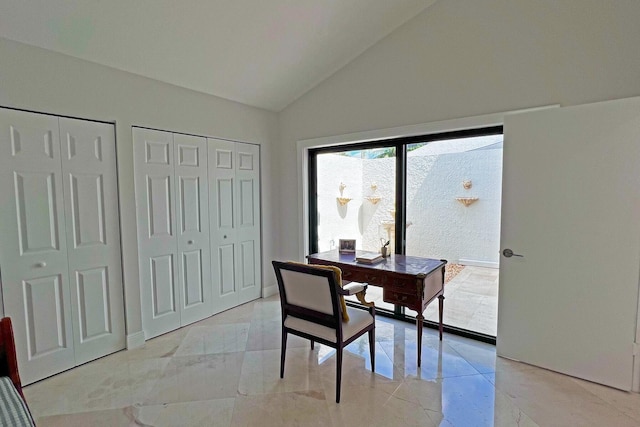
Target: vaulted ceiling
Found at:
265, 53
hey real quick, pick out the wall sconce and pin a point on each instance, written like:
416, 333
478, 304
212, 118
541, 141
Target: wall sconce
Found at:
342, 200
467, 201
373, 198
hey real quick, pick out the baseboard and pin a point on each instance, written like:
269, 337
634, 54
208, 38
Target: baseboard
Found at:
478, 263
135, 340
269, 291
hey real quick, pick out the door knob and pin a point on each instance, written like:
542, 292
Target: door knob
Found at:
41, 264
508, 253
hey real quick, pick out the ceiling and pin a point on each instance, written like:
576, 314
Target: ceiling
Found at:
264, 53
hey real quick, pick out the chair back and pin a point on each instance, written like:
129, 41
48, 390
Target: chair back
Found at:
308, 293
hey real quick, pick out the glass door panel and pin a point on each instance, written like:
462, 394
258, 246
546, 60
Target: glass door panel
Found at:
355, 199
453, 212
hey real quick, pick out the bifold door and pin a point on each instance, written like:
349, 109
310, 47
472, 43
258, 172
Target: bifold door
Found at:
60, 251
234, 196
173, 229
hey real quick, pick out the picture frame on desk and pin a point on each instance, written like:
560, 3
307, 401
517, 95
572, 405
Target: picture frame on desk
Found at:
347, 246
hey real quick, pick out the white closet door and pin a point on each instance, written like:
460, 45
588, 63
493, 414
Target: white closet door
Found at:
248, 267
154, 181
192, 208
93, 237
222, 224
33, 252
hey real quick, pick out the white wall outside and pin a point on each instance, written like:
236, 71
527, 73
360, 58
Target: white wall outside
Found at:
440, 226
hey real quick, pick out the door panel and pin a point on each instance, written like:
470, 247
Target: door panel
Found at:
157, 241
192, 268
222, 178
226, 279
571, 207
192, 206
248, 263
87, 210
93, 237
248, 266
159, 206
36, 203
93, 303
162, 286
247, 201
44, 303
33, 254
225, 204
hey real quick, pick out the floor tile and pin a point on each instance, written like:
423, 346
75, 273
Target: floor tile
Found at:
224, 371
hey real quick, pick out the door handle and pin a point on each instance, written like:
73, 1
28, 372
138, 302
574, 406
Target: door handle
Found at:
41, 264
508, 253
190, 242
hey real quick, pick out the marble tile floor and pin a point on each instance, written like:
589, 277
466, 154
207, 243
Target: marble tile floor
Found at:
224, 371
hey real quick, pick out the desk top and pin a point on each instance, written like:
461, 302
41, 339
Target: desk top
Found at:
399, 264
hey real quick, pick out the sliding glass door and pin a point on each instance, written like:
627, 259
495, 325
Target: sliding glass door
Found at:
435, 196
453, 212
354, 196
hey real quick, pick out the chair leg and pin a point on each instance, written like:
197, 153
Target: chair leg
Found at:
283, 350
338, 372
372, 348
312, 342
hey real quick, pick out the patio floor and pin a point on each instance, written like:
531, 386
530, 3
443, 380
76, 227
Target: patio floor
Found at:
471, 300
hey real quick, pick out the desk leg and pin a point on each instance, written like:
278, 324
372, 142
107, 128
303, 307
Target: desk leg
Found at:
419, 324
440, 312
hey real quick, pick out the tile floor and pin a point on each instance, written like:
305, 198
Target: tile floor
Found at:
224, 371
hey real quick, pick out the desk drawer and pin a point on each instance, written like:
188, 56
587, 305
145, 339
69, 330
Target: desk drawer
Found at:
399, 296
405, 285
361, 276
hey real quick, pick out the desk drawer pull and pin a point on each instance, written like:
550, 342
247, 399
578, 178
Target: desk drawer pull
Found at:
400, 297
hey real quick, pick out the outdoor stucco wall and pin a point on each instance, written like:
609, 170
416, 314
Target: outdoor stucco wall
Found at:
440, 226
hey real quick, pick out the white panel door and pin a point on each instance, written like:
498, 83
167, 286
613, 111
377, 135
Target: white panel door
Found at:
33, 253
93, 237
222, 216
571, 207
248, 264
192, 214
157, 243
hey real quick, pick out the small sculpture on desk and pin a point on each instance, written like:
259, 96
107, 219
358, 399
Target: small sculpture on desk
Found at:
384, 250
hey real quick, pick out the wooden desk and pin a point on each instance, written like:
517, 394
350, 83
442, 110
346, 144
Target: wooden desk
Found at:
409, 281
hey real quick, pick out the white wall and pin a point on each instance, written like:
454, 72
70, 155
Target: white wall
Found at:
440, 227
463, 58
39, 80
443, 228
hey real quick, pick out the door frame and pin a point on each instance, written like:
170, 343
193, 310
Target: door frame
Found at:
496, 119
374, 136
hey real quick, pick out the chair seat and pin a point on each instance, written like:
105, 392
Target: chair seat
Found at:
358, 320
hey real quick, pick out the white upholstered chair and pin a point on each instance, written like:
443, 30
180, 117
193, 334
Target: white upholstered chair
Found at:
311, 308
